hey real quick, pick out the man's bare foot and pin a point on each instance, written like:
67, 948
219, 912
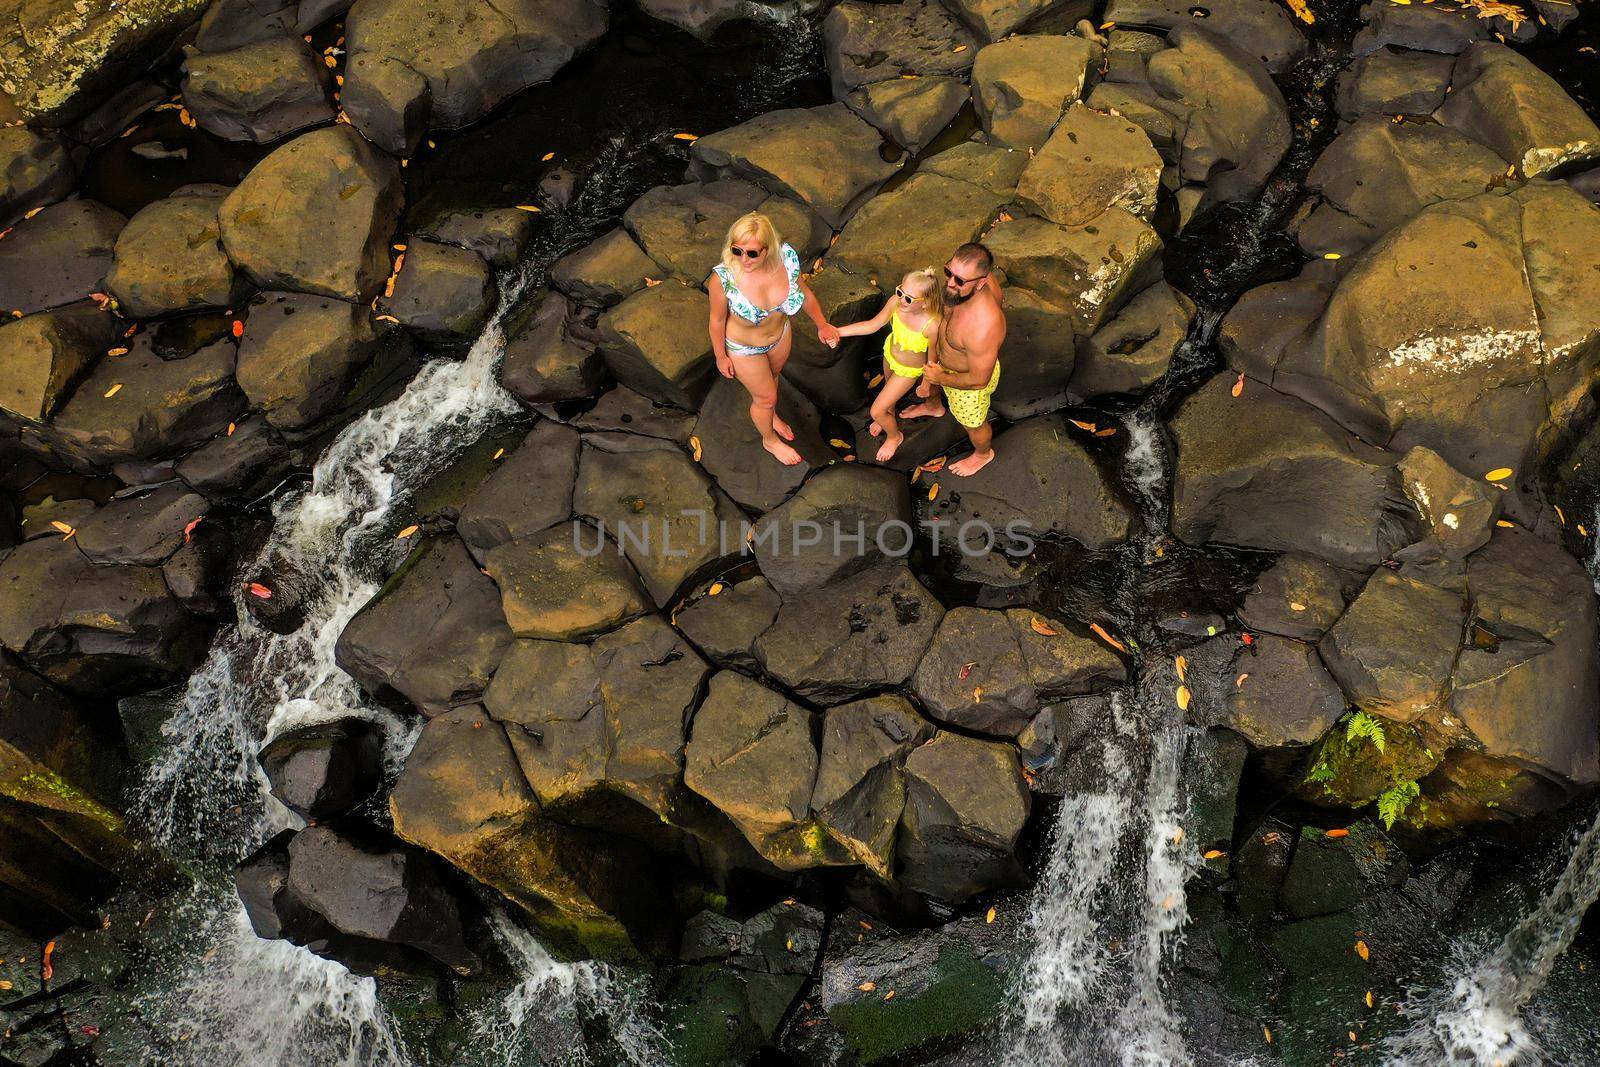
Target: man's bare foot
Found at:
890, 445
782, 429
972, 464
782, 452
924, 410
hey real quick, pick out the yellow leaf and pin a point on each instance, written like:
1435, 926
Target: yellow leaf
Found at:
1295, 605
1214, 854
528, 207
1268, 1034
1330, 255
694, 447
1509, 525
867, 987
959, 48
497, 454
63, 527
716, 587
1184, 696
1499, 474
1042, 627
1369, 998
113, 391
386, 318
651, 283
1362, 950
838, 443
933, 491
1237, 682
117, 352
231, 427
1581, 531
1561, 515
407, 532
989, 916
1301, 11
686, 137
977, 695
1182, 666
547, 157
890, 995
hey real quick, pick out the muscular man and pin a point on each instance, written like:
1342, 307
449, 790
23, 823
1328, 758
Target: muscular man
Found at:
965, 359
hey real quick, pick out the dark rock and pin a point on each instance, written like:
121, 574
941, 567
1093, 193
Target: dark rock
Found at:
44, 356
1213, 764
544, 363
843, 520
1298, 597
992, 166
1089, 162
261, 92
1502, 100
200, 569
966, 802
1088, 271
622, 410
442, 293
1258, 28
1259, 868
241, 464
731, 449
656, 342
565, 583
1458, 513
58, 257
300, 356
682, 227
499, 235
709, 936
388, 102
1021, 86
855, 636
1393, 81
1394, 648
434, 633
144, 529
605, 271
322, 771
1131, 351
169, 258
1287, 699
1427, 29
868, 43
530, 491
230, 24
910, 111
1330, 874
725, 626
35, 170
860, 788
1267, 320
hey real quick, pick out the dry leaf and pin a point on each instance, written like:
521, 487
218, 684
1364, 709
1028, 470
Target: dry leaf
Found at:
1295, 605
386, 318
231, 427
1080, 424
1499, 474
1237, 682
188, 530
1177, 837
977, 695
867, 987
114, 390
716, 587
1100, 631
47, 970
1109, 431
651, 283
966, 669
1214, 854
1561, 515
877, 380
63, 527
838, 443
890, 995
933, 491
1182, 666
408, 531
1268, 1034
934, 466
497, 454
1369, 998
1238, 385
259, 590
1184, 696
1330, 255
528, 207
1509, 525
117, 352
959, 48
989, 916
686, 137
1301, 11
1362, 950
1041, 627
1338, 833
547, 157
694, 448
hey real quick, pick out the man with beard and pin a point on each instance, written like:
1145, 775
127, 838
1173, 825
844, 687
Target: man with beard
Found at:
964, 361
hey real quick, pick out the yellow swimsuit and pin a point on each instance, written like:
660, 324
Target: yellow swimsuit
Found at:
908, 340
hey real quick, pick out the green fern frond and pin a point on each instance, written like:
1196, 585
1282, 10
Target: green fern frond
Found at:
1362, 724
1394, 801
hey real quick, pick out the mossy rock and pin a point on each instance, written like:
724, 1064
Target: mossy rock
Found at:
711, 1023
961, 994
1348, 772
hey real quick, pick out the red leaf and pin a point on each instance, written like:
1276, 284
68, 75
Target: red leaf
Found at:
257, 589
189, 529
238, 328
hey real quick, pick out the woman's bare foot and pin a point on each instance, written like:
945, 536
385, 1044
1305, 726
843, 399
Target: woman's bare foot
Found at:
924, 410
782, 429
781, 452
890, 445
972, 464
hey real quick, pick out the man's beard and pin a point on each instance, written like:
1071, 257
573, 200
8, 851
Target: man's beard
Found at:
952, 299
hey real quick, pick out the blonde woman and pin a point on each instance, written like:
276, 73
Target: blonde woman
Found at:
757, 288
912, 315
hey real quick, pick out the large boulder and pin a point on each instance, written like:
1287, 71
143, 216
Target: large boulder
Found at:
58, 257
1394, 648
681, 229
1457, 514
44, 356
565, 583
656, 342
261, 92
868, 42
895, 233
316, 216
544, 361
1091, 161
910, 111
1133, 350
169, 258
1502, 100
1424, 29
530, 491
388, 101
443, 294
731, 449
1261, 29
473, 53
300, 355
1274, 692
966, 803
725, 626
609, 268
1091, 270
1298, 596
860, 789
143, 528
845, 519
238, 465
35, 170
1393, 81
324, 770
1021, 86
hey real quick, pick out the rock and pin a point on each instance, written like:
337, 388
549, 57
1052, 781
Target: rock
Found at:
868, 43
860, 788
1267, 320
990, 672
1331, 874
1090, 162
565, 583
1133, 350
859, 516
621, 410
994, 167
966, 802
442, 293
1298, 597
544, 363
300, 356
1502, 100
1287, 700
703, 18
731, 449
1091, 270
682, 227
35, 171
1261, 29
316, 216
529, 491
852, 637
776, 150
1392, 81
434, 634
1426, 29
751, 754
500, 235
910, 111
473, 54
725, 627
1394, 648
1020, 86
1533, 600
58, 257
169, 258
261, 92
323, 771
1458, 513
894, 233
230, 24
388, 101
666, 515
605, 271
1267, 471
145, 529
238, 465
656, 342
44, 356
163, 407
1213, 764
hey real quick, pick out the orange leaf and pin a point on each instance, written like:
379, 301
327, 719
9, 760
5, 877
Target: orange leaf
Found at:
716, 587
47, 970
547, 157
407, 532
1042, 627
1109, 431
694, 445
1184, 697
867, 987
1237, 682
686, 137
1214, 854
231, 427
497, 454
1182, 666
989, 916
1100, 632
259, 590
238, 328
1238, 385
934, 466
1362, 950
1080, 424
933, 491
1337, 833
114, 390
117, 352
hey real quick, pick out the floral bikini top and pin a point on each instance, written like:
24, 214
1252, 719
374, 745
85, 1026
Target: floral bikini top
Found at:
740, 304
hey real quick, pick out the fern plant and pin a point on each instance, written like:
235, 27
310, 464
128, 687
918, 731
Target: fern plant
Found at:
1362, 724
1393, 802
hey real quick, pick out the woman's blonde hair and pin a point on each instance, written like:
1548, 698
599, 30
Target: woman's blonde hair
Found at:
753, 225
925, 283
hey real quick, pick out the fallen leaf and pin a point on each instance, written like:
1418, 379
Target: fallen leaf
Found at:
1184, 696
1109, 431
651, 283
1214, 854
117, 352
1237, 682
1362, 950
966, 669
1295, 605
716, 587
1338, 833
47, 970
114, 390
1100, 632
259, 590
65, 528
838, 442
1080, 424
231, 427
386, 318
933, 491
1561, 515
547, 157
1042, 628
1369, 998
1182, 666
1268, 1034
4, 985
1177, 836
188, 530
497, 454
959, 48
867, 987
1331, 255
1238, 385
890, 995
528, 207
877, 380
407, 532
934, 466
1499, 474
977, 695
1301, 11
989, 916
686, 137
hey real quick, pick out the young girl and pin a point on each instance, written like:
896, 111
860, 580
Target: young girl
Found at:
912, 315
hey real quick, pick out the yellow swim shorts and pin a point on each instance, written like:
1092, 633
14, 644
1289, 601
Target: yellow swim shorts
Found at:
971, 406
897, 368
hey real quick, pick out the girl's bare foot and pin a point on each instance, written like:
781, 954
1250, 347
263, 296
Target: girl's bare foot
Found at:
782, 429
972, 464
924, 410
781, 452
890, 445
875, 429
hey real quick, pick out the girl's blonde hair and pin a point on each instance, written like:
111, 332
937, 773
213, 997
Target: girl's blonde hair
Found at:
753, 225
925, 283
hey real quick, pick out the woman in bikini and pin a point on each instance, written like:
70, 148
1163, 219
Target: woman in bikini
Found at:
758, 287
912, 315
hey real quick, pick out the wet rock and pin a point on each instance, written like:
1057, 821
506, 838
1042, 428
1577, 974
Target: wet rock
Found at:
529, 491
1260, 29
322, 771
163, 407
230, 24
703, 18
1021, 86
994, 167
852, 637
966, 802
1091, 270
316, 216
388, 101
1091, 161
725, 626
1502, 100
1457, 513
666, 514
845, 519
776, 151
1287, 699
1427, 29
1213, 764
1330, 874
35, 170
1266, 471
910, 111
145, 529
44, 356
894, 233
621, 410
831, 377
1129, 353
1394, 648
442, 293
1267, 320
544, 363
261, 92
499, 235
1392, 81
868, 43
1298, 596
58, 257
655, 342
474, 54
682, 227
565, 584
434, 634
605, 271
241, 464
300, 356
1349, 769
860, 787
731, 449
1259, 867
169, 258
991, 672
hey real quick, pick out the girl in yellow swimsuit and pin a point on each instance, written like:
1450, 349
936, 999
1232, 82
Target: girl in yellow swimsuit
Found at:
912, 315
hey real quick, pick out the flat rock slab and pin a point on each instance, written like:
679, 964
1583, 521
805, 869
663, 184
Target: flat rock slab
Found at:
145, 529
725, 626
731, 452
966, 802
43, 356
845, 519
910, 111
1021, 86
169, 258
869, 43
1090, 270
443, 293
1298, 597
606, 270
530, 491
1394, 648
893, 233
545, 362
1134, 349
58, 257
656, 342
261, 92
1393, 81
1090, 162
680, 228
301, 354
566, 583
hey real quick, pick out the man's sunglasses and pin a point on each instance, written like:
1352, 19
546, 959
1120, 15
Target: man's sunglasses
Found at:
752, 253
959, 280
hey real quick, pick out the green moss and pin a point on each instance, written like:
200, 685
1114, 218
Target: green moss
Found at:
1348, 770
962, 996
41, 787
708, 1018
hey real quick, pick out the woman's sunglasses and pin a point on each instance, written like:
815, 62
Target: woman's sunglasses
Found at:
959, 280
752, 253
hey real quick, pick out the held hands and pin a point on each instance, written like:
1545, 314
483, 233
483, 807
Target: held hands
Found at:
933, 374
828, 334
